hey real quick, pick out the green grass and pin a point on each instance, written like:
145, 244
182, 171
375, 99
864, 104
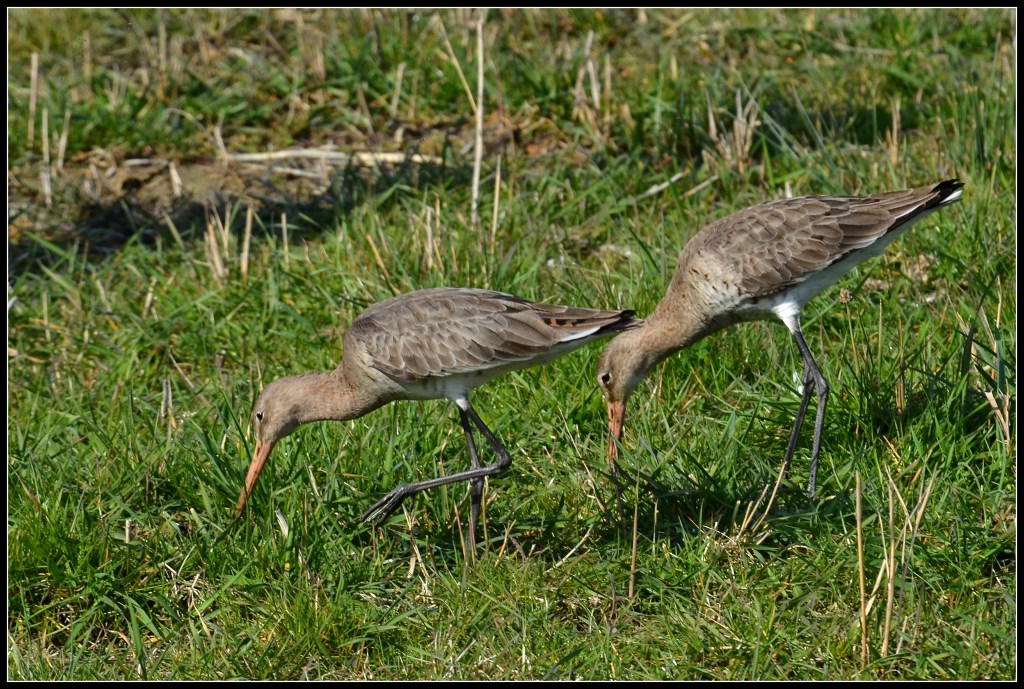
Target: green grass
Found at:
133, 359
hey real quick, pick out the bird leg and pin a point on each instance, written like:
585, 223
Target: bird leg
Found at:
813, 381
384, 507
476, 484
501, 465
821, 385
794, 435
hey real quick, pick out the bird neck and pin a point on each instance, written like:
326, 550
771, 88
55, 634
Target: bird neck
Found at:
675, 323
335, 396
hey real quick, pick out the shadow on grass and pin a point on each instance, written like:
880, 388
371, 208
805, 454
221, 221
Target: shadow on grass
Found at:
148, 201
676, 514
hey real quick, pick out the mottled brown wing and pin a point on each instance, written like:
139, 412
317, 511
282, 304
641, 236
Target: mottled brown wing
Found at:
449, 330
773, 245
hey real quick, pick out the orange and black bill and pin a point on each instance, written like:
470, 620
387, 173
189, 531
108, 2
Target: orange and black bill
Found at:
259, 459
616, 416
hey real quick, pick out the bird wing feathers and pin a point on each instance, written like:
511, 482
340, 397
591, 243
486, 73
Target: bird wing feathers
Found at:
771, 246
444, 331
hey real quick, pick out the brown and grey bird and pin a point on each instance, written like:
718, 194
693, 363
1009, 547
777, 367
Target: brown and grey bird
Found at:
428, 344
763, 262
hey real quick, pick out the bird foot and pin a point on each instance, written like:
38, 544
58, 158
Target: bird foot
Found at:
383, 508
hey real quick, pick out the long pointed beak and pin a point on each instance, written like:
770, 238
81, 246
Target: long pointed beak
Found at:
616, 416
259, 459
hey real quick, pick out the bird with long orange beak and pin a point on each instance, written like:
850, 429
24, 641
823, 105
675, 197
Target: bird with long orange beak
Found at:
766, 261
429, 344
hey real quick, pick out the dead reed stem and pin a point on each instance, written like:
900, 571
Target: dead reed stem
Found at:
478, 146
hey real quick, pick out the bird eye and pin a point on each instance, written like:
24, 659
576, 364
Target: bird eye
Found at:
259, 416
606, 378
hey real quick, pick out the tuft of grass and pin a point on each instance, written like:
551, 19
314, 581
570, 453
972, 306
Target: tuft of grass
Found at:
155, 283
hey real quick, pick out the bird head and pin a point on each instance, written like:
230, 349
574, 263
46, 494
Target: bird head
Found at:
621, 368
275, 415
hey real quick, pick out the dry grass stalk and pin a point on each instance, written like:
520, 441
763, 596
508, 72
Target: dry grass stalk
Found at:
174, 232
892, 136
161, 31
458, 68
595, 86
606, 117
584, 109
889, 552
222, 150
33, 96
44, 171
167, 402
284, 234
62, 141
734, 151
213, 251
1001, 409
478, 144
361, 157
365, 108
497, 205
148, 304
434, 244
176, 184
246, 238
380, 262
396, 98
864, 654
46, 314
658, 188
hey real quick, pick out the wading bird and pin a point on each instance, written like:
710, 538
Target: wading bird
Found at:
428, 344
763, 262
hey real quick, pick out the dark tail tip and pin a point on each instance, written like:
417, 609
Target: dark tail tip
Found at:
948, 191
623, 321
627, 320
